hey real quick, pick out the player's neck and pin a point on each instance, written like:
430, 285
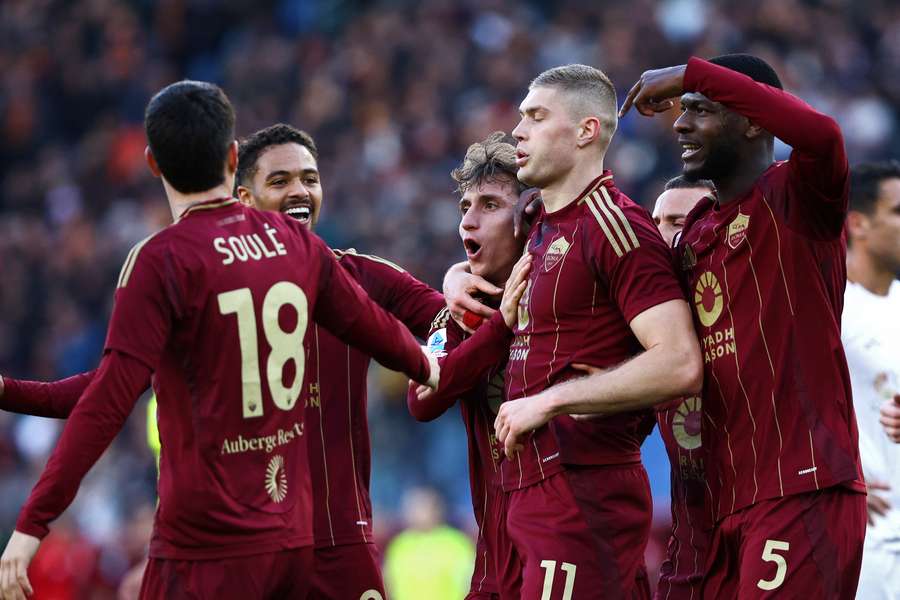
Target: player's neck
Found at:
565, 190
736, 184
180, 202
864, 270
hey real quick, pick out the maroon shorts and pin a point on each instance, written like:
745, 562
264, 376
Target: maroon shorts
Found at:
473, 595
281, 575
498, 571
802, 546
351, 571
582, 533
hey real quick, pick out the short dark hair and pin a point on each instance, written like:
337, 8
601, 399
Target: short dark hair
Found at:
865, 183
680, 182
487, 161
252, 147
190, 127
752, 66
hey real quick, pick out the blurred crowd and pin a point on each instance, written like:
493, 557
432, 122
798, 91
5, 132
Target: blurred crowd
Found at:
393, 92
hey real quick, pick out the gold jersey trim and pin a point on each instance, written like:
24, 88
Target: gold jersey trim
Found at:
352, 251
130, 261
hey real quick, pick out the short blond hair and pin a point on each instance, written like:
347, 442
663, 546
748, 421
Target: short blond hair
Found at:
590, 93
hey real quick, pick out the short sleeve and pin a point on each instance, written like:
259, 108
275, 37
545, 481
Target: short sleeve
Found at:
143, 309
628, 254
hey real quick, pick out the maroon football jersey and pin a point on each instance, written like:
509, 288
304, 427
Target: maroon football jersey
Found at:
766, 273
478, 407
337, 424
598, 263
217, 306
691, 502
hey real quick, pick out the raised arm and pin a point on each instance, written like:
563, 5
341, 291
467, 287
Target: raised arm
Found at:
54, 399
464, 365
462, 368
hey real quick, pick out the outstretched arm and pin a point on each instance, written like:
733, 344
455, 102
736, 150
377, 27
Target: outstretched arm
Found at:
94, 422
54, 399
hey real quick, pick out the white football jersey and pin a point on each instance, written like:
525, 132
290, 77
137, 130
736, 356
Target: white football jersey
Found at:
871, 336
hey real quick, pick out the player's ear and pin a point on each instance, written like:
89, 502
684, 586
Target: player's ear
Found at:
857, 225
753, 131
151, 162
588, 131
233, 157
244, 195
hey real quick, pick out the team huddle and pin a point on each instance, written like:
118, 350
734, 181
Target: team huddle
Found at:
577, 323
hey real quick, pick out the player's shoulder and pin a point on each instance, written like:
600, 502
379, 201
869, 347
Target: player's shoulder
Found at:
148, 250
613, 219
365, 261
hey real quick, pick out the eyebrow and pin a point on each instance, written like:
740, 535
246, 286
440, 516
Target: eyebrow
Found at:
532, 110
284, 173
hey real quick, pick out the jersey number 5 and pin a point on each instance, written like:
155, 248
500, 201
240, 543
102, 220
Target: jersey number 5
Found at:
769, 555
285, 345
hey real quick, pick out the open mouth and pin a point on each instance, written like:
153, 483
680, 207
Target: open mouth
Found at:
473, 248
689, 150
302, 213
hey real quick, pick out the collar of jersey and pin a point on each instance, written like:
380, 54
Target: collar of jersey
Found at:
207, 205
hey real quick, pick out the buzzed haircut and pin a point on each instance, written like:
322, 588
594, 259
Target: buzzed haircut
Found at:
190, 128
255, 144
865, 183
680, 182
488, 161
752, 66
591, 92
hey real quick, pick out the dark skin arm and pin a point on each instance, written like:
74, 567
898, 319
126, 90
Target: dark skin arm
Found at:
654, 91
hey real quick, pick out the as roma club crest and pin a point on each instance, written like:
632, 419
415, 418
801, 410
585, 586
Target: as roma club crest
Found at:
555, 253
737, 230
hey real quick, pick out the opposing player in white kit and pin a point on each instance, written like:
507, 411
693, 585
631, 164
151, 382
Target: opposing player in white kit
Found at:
871, 336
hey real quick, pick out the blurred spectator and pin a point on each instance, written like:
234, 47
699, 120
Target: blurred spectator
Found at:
393, 91
429, 559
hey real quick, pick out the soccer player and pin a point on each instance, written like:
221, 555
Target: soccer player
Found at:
679, 425
679, 196
489, 187
278, 171
200, 307
764, 262
871, 336
601, 291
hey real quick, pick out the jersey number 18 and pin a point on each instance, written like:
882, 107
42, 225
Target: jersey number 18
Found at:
285, 345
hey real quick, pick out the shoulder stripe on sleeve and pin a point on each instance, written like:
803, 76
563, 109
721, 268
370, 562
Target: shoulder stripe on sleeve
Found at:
371, 257
601, 220
618, 211
441, 319
130, 260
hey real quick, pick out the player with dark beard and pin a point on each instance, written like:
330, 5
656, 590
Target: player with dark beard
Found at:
765, 263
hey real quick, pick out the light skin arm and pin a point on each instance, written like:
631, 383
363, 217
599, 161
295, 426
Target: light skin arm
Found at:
890, 418
671, 366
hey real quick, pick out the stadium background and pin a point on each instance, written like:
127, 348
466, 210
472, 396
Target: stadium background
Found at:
393, 92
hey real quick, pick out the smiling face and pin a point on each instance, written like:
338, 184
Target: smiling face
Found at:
547, 137
486, 228
711, 136
286, 180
